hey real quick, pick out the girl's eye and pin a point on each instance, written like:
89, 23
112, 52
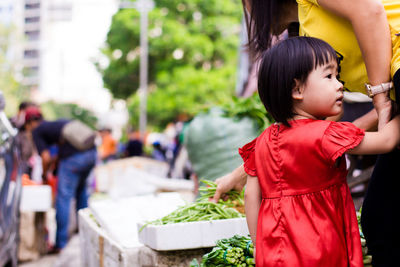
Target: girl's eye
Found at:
329, 76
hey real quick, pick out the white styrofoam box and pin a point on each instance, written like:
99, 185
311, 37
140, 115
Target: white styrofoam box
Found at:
99, 249
119, 217
36, 198
190, 235
136, 176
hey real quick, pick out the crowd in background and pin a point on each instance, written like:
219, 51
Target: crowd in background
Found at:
166, 146
48, 156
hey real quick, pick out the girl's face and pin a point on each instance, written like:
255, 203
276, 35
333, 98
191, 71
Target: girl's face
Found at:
321, 95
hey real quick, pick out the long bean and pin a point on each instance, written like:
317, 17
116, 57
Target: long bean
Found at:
198, 211
202, 209
235, 198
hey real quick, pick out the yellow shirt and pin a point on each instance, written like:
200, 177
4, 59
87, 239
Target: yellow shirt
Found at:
338, 32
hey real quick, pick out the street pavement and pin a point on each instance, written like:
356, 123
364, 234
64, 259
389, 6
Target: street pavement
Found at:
70, 256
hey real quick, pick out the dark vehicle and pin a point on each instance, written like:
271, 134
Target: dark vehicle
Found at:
10, 191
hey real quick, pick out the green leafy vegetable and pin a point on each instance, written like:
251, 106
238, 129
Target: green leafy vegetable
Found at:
235, 251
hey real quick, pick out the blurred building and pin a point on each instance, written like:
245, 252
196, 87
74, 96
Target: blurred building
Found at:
7, 10
60, 39
32, 23
74, 33
10, 11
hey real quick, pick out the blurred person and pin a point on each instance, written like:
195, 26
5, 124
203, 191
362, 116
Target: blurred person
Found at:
181, 166
170, 145
158, 152
19, 119
108, 147
134, 146
73, 169
24, 139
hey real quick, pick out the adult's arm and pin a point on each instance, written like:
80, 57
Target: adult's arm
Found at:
234, 180
46, 163
371, 27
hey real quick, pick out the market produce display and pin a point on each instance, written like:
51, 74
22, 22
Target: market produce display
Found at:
367, 258
204, 210
235, 251
198, 211
234, 198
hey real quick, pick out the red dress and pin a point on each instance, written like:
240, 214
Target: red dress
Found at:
307, 216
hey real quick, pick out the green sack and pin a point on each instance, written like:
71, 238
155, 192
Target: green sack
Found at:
213, 140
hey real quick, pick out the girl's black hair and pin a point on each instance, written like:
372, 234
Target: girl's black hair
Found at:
287, 61
262, 22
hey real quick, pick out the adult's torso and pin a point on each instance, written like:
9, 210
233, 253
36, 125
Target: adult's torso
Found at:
48, 133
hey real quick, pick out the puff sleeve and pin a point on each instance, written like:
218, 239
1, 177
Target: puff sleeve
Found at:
340, 137
247, 152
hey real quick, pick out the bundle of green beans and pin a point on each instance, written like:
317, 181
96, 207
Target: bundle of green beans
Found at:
234, 198
198, 211
204, 210
235, 251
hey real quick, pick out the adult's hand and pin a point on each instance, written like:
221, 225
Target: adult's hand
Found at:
235, 180
44, 179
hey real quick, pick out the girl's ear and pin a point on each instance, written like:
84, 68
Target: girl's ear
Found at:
297, 91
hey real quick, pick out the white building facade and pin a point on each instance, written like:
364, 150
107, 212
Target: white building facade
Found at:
73, 34
10, 13
59, 41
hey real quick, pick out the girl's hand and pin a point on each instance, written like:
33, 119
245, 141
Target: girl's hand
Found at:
234, 180
224, 185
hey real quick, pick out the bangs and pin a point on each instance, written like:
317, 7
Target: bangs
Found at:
322, 52
306, 54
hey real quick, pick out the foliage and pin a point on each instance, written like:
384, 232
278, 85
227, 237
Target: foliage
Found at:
12, 90
188, 94
52, 111
193, 46
248, 107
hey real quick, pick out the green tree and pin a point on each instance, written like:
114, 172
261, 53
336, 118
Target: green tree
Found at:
193, 47
11, 88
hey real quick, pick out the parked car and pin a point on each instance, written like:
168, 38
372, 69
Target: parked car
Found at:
10, 191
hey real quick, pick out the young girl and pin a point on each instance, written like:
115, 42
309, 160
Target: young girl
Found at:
298, 205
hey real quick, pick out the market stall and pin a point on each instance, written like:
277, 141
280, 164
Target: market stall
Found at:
156, 229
